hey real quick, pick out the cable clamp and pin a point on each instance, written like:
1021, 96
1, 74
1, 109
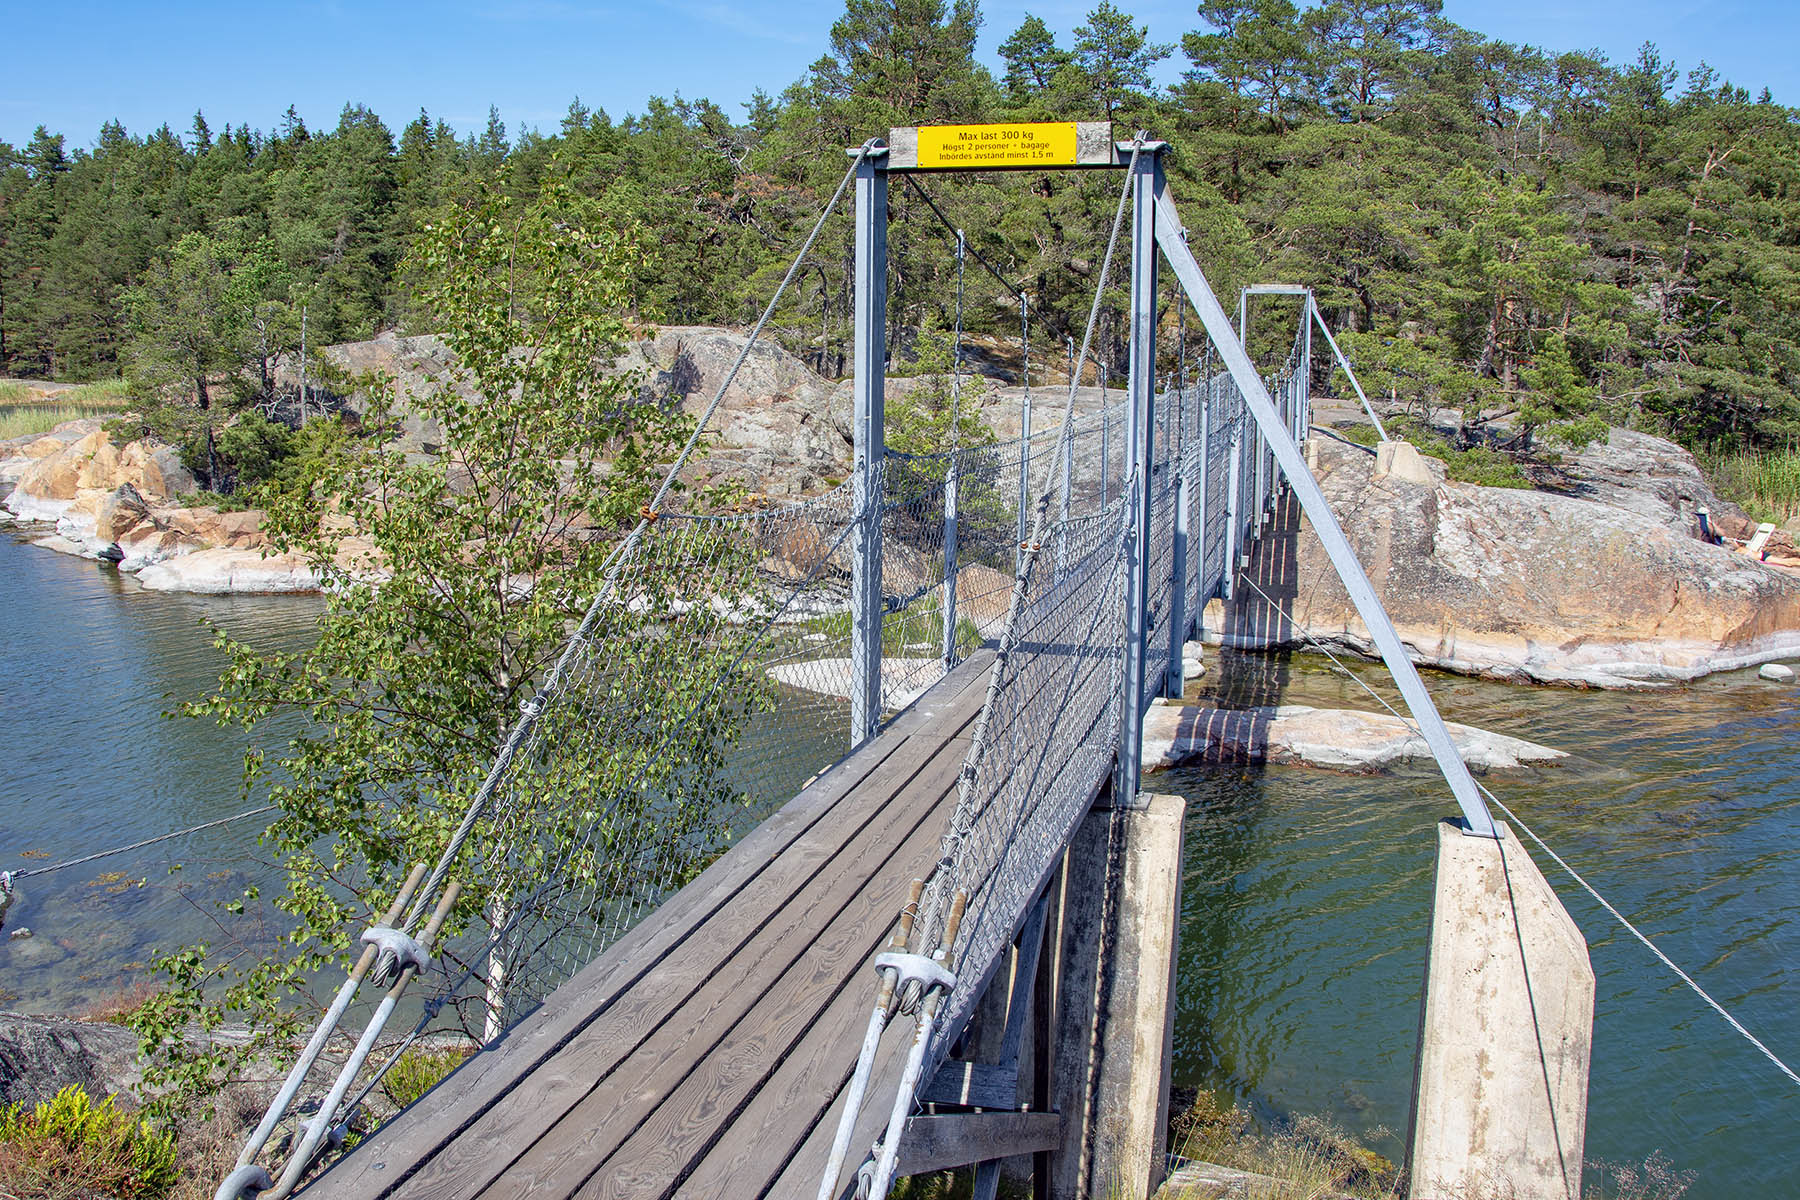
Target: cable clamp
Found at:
398, 951
916, 977
648, 513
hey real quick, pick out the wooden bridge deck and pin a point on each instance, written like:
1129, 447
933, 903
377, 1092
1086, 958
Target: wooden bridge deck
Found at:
702, 1055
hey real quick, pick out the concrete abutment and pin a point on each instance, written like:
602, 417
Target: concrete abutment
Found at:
1500, 1093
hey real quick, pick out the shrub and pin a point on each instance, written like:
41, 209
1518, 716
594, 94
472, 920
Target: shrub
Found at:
417, 1072
69, 1146
1655, 1179
1308, 1156
252, 447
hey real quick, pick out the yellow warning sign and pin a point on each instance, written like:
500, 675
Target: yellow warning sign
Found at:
1043, 144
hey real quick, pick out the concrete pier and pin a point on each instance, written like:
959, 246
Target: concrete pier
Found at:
1500, 1095
1120, 906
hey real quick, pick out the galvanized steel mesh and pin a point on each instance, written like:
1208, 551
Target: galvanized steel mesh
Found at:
1049, 733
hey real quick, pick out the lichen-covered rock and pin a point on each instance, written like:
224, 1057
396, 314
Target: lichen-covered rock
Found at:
1524, 585
1649, 476
39, 1056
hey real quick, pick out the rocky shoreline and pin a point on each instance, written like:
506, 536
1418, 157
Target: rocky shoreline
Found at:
1601, 580
1606, 583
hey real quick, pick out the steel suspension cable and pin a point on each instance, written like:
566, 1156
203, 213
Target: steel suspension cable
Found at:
150, 841
1087, 335
533, 708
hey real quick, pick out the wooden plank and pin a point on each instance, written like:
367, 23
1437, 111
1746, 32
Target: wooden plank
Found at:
937, 1143
980, 1085
660, 1153
715, 973
802, 1094
748, 1008
388, 1157
801, 1175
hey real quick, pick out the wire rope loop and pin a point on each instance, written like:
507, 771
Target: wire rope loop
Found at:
244, 1183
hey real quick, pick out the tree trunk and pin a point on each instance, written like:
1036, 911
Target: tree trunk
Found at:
212, 453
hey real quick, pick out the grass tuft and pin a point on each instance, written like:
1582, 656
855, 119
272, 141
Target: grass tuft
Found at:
417, 1072
1765, 485
23, 414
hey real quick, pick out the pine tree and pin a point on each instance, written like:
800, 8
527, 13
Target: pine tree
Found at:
1032, 59
1116, 56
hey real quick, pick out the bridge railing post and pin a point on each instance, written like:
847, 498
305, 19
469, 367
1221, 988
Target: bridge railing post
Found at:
1173, 682
952, 478
869, 389
1024, 431
1234, 466
1146, 188
1303, 418
1204, 449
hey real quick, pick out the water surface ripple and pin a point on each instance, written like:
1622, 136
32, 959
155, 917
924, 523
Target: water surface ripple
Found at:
1308, 892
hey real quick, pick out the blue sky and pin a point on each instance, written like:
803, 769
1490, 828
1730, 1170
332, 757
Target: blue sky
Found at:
145, 64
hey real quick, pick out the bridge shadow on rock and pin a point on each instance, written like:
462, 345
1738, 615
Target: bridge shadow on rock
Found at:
1254, 664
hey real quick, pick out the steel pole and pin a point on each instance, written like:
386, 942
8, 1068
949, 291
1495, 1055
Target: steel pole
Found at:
869, 450
1343, 362
1234, 488
1205, 449
1140, 426
1305, 413
1362, 593
1024, 426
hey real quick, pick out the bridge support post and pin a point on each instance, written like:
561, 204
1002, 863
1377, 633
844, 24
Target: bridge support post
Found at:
869, 373
1234, 486
1173, 682
1120, 917
1303, 415
1500, 1094
1140, 425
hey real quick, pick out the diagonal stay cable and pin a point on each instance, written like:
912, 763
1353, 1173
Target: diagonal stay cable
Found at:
1087, 334
1618, 916
1017, 292
150, 841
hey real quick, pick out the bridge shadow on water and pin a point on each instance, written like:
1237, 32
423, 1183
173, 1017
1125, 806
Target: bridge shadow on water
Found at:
1246, 681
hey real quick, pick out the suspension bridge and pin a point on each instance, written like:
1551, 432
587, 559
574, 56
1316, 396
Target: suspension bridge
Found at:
811, 864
